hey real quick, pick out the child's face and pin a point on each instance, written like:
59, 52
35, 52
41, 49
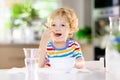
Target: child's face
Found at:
60, 28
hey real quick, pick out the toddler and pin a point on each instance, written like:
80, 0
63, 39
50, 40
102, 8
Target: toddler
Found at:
56, 39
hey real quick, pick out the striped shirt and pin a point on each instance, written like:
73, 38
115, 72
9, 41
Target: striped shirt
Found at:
72, 49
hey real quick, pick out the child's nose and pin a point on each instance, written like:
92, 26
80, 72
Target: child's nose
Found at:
57, 28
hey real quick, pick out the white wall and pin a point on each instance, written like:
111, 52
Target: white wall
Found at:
82, 9
88, 12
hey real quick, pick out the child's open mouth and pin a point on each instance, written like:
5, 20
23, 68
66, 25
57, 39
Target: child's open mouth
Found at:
58, 34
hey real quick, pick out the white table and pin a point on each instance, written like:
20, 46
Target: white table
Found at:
81, 75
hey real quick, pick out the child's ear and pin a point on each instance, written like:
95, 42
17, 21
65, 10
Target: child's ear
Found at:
71, 31
70, 34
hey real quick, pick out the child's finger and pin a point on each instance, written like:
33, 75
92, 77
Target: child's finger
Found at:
51, 29
46, 26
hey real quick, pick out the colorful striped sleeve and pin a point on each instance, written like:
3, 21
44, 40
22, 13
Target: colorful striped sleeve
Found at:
77, 52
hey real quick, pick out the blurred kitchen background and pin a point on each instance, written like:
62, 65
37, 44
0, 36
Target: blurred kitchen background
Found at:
22, 23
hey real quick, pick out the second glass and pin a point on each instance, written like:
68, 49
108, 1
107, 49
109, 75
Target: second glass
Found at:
31, 59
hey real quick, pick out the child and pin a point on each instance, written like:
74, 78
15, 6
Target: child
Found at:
55, 41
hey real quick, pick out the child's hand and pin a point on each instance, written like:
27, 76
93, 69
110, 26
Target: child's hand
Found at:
46, 36
80, 63
43, 45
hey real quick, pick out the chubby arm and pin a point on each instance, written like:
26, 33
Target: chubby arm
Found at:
79, 62
43, 45
42, 56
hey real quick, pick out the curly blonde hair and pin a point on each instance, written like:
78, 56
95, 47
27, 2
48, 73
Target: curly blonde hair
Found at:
69, 15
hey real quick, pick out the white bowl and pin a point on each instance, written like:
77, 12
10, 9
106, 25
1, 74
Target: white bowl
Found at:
62, 64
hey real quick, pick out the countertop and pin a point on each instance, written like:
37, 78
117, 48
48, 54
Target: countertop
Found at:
6, 74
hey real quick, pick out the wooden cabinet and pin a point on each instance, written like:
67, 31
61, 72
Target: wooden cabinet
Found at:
12, 55
88, 51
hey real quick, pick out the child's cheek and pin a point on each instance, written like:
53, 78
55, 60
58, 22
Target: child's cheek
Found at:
52, 34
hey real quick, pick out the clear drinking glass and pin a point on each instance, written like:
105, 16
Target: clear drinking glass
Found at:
31, 59
113, 49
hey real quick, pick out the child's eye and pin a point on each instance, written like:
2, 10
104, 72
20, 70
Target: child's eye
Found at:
53, 25
63, 25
